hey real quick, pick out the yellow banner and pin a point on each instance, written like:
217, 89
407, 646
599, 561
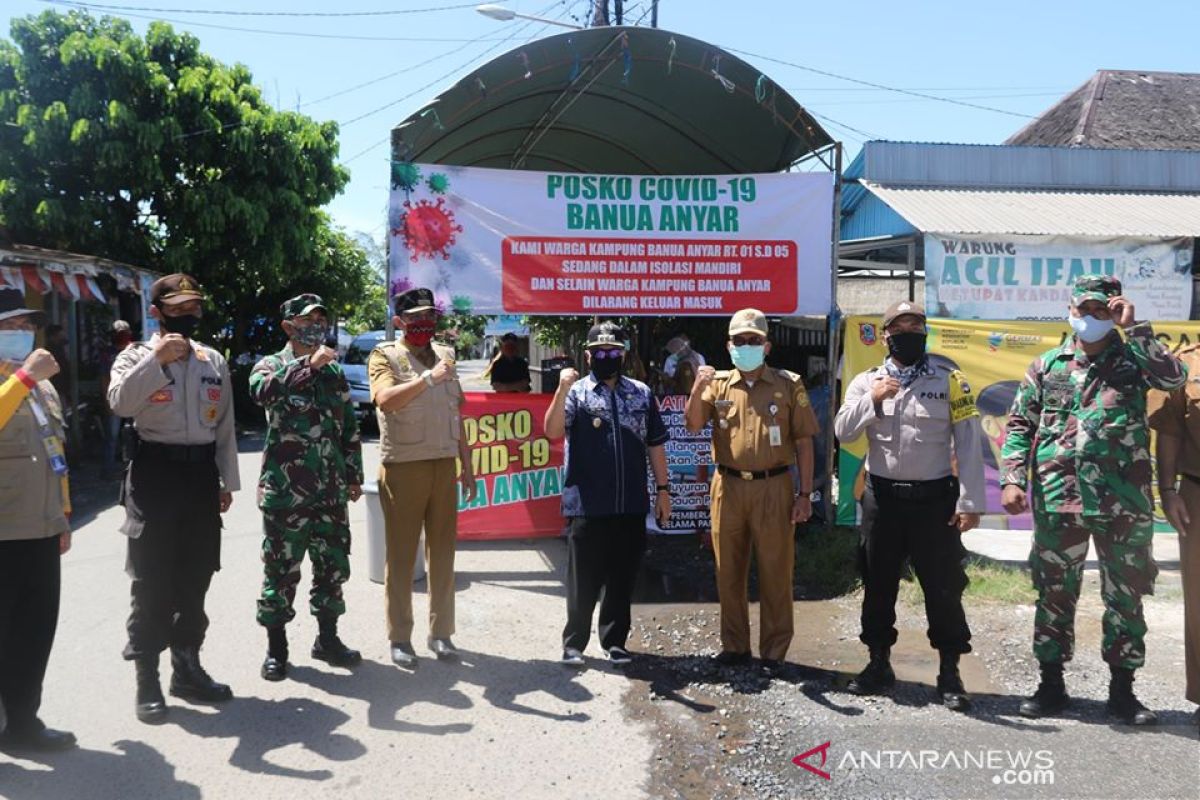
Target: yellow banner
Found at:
994, 356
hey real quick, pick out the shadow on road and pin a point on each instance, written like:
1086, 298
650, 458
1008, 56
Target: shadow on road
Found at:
138, 770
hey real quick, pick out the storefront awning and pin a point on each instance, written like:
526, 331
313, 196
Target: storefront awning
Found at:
1104, 214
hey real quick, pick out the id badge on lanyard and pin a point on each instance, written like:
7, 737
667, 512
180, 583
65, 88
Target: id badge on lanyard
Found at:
50, 440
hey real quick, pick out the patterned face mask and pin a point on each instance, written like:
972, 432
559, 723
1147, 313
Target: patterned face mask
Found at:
312, 336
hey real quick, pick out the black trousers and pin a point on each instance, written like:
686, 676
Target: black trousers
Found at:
895, 528
29, 585
173, 519
603, 558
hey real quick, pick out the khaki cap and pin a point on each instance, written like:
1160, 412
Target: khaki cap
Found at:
748, 320
902, 308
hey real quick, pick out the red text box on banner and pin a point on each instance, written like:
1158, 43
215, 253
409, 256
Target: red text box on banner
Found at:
557, 275
518, 471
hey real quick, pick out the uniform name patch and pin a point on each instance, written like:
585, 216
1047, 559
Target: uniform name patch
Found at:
933, 395
162, 396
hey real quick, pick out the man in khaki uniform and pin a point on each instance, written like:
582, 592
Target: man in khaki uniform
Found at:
179, 484
761, 424
917, 414
1175, 416
417, 400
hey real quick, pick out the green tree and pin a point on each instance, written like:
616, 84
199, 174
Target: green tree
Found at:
150, 151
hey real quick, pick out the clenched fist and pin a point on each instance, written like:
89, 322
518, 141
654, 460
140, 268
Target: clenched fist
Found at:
883, 389
40, 365
567, 378
170, 347
704, 376
322, 356
443, 371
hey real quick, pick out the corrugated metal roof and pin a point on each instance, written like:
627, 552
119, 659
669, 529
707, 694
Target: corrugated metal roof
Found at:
1051, 213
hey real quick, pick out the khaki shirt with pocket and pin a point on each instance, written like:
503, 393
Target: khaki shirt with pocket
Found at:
430, 425
742, 417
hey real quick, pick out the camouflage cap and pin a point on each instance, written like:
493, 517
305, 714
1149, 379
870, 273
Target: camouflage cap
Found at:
171, 290
1094, 287
748, 320
901, 308
300, 305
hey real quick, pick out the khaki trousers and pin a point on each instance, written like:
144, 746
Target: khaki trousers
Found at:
1189, 563
754, 514
417, 494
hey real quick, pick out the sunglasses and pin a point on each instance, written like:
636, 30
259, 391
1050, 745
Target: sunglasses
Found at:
607, 354
739, 341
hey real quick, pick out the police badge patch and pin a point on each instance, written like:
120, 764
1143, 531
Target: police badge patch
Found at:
866, 333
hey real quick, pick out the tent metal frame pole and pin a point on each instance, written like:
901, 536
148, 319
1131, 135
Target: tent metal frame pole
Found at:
835, 327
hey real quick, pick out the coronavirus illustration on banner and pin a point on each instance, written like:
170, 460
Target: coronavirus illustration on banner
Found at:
490, 241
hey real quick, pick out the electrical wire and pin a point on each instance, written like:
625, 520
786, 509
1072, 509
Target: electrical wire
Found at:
881, 86
214, 12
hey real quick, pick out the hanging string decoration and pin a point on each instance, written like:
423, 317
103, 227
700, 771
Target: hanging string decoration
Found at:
481, 86
627, 58
575, 68
671, 56
525, 61
728, 85
432, 112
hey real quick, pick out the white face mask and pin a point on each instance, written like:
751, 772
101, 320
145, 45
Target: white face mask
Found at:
15, 345
1089, 329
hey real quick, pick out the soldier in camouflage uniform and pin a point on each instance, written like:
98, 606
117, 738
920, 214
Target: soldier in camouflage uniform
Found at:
1078, 423
312, 464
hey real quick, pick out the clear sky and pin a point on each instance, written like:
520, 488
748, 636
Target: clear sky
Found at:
1017, 56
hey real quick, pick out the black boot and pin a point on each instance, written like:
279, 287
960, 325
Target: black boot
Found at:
330, 649
151, 705
274, 667
950, 685
1051, 695
1121, 702
878, 675
191, 682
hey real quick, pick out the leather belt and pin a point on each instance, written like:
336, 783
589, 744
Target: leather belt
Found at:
1191, 478
752, 475
191, 453
915, 490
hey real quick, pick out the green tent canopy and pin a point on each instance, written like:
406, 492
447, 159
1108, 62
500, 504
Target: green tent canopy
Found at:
615, 100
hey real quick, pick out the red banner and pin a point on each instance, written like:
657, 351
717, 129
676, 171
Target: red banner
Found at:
518, 471
647, 276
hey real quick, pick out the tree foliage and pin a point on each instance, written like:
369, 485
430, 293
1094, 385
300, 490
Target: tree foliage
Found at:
150, 151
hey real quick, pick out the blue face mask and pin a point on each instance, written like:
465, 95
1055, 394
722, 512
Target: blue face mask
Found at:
1089, 329
748, 357
15, 345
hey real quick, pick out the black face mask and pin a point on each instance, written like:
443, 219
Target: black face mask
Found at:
906, 348
605, 368
185, 326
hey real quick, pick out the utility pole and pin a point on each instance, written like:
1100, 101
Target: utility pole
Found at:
653, 13
600, 13
619, 7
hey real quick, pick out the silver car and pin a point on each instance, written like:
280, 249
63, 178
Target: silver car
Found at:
355, 366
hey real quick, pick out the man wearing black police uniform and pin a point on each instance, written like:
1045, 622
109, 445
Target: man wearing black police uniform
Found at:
180, 481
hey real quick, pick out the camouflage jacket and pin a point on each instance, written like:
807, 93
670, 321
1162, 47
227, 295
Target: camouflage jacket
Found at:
1079, 425
313, 452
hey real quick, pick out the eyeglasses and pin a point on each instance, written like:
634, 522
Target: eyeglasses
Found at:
607, 353
739, 341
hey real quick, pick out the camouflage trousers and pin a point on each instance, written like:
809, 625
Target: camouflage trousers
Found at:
1127, 573
323, 533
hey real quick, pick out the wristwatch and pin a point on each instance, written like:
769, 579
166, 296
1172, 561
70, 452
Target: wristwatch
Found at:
663, 487
427, 376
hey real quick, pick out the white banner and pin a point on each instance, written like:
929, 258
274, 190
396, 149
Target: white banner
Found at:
490, 241
1030, 277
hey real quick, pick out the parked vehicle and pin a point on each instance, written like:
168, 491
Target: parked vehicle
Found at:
355, 366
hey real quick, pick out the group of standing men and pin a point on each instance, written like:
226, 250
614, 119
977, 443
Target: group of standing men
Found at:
1076, 452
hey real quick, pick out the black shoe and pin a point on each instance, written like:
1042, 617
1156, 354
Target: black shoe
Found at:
571, 657
150, 707
1051, 695
273, 669
772, 666
329, 647
403, 655
38, 739
1122, 703
954, 696
877, 677
444, 649
728, 658
618, 656
189, 680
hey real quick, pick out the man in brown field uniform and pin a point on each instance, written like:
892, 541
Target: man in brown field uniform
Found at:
1175, 416
417, 399
761, 424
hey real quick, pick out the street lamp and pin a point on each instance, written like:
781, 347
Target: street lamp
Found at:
503, 14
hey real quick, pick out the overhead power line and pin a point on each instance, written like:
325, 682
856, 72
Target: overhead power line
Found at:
223, 13
269, 32
874, 85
